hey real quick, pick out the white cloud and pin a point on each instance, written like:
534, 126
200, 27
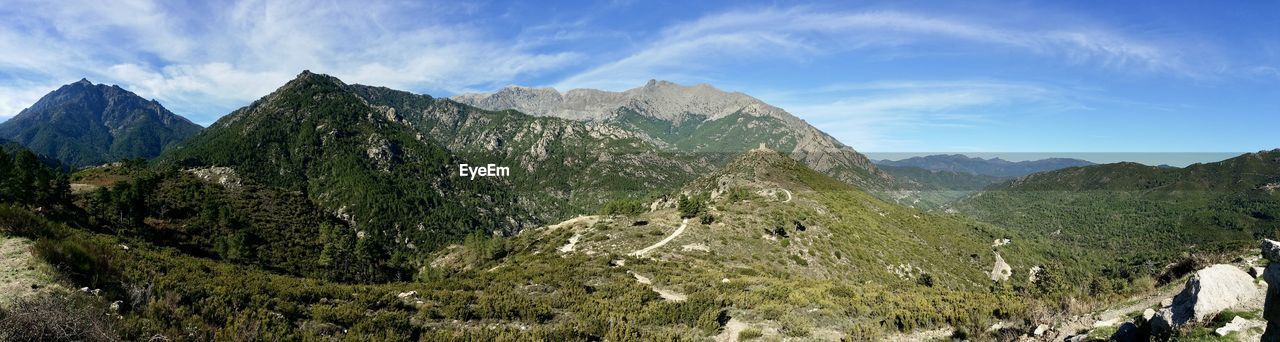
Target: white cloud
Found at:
800, 32
204, 61
871, 116
16, 97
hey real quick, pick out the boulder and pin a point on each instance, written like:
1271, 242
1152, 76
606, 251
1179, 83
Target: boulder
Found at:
1211, 290
1257, 272
1271, 250
1271, 310
1041, 329
1162, 325
1148, 314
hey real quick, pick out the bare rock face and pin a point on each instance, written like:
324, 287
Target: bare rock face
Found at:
674, 103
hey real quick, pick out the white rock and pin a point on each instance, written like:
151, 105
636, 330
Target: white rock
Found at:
403, 295
1238, 324
1148, 314
1001, 270
1041, 329
1211, 290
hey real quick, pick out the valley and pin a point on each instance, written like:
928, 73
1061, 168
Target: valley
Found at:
334, 211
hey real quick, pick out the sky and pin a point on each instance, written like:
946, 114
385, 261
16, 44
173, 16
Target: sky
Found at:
897, 76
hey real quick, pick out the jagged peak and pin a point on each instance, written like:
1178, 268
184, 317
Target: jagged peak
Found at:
84, 81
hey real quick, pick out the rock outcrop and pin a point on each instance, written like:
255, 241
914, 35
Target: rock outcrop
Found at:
1001, 270
1208, 292
1271, 310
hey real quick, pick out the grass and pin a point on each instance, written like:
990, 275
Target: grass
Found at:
750, 334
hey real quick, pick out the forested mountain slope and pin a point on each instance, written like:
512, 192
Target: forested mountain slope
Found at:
82, 124
1143, 217
560, 167
390, 185
993, 167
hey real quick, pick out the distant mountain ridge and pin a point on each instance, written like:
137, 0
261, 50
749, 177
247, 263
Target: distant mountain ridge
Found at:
82, 124
995, 167
696, 119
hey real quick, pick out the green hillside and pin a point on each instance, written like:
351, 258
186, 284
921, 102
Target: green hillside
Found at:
1137, 219
315, 137
560, 167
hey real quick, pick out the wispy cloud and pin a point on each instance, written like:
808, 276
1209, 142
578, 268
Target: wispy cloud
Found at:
800, 32
205, 60
873, 115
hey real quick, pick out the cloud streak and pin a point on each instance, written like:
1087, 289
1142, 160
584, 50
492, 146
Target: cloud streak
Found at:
873, 116
801, 32
203, 62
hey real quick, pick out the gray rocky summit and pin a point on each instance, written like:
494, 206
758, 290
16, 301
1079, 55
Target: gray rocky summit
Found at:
698, 118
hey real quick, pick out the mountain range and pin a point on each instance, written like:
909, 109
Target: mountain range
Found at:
328, 210
994, 167
83, 124
697, 119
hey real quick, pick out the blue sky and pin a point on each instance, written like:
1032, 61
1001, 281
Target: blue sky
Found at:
897, 76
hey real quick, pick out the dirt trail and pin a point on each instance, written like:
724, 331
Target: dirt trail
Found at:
673, 236
573, 242
1139, 304
731, 330
665, 294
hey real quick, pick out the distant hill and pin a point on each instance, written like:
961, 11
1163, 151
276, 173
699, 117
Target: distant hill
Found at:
929, 189
1142, 217
82, 124
988, 167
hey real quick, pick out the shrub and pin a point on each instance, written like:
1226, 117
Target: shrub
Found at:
750, 334
795, 326
690, 206
65, 317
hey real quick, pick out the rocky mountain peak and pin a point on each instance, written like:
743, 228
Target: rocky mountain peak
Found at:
309, 78
83, 124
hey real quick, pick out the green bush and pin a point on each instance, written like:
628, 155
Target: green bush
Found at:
624, 207
795, 325
690, 206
